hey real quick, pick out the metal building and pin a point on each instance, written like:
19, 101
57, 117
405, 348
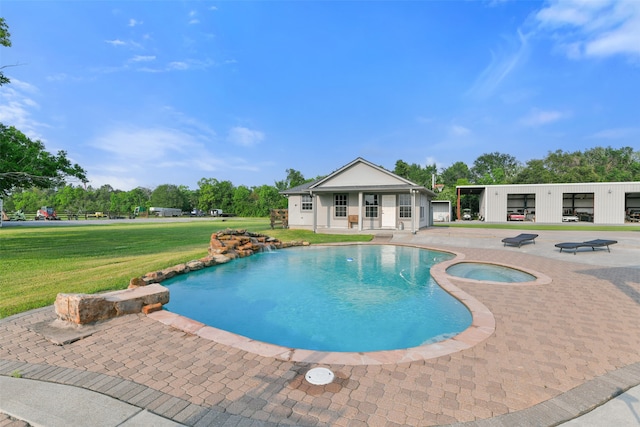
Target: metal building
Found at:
594, 202
441, 210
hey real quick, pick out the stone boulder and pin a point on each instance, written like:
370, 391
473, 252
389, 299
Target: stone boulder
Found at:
82, 308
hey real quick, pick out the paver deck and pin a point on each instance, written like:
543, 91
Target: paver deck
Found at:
577, 334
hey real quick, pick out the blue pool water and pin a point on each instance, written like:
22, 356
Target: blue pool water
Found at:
342, 298
489, 272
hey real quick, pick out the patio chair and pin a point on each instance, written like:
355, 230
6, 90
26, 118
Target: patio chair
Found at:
519, 239
593, 244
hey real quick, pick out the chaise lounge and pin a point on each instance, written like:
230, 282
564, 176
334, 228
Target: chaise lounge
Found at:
519, 239
593, 244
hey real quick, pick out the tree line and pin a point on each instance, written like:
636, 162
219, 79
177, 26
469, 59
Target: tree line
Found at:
594, 165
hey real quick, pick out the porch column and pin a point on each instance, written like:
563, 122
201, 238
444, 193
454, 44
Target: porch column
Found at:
458, 205
360, 211
314, 204
413, 211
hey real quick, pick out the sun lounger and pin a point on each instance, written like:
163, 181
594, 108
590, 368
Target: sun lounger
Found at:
593, 244
519, 239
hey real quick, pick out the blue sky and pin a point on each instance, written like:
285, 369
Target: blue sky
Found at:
143, 93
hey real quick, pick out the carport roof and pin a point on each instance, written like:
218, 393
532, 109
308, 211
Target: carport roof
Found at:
471, 189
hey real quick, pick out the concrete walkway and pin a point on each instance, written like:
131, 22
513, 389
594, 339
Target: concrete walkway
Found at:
47, 404
41, 403
567, 352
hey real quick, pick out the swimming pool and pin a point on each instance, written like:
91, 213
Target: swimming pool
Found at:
489, 272
354, 298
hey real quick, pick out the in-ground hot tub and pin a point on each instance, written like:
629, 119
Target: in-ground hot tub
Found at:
489, 272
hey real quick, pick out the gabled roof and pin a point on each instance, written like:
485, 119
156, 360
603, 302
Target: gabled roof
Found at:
359, 175
299, 189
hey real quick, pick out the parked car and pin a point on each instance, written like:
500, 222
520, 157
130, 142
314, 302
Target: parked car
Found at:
46, 213
515, 216
570, 218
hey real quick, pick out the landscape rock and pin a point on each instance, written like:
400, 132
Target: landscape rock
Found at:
146, 295
82, 308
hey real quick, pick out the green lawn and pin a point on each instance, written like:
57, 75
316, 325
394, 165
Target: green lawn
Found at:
39, 262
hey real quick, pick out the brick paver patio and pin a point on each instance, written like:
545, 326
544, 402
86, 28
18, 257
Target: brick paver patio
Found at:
548, 340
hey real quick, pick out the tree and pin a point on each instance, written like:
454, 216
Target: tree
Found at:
293, 179
450, 176
28, 201
243, 202
167, 196
215, 194
401, 169
25, 163
190, 198
5, 40
71, 200
534, 173
269, 198
415, 173
495, 168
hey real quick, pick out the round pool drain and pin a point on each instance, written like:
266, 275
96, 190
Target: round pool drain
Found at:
319, 376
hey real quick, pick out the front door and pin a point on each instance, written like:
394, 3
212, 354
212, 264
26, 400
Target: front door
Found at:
389, 211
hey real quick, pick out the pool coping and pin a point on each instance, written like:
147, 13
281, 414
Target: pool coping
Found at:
482, 326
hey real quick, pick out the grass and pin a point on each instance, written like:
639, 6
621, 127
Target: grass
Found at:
40, 262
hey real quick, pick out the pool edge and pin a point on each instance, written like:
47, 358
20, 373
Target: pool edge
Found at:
482, 327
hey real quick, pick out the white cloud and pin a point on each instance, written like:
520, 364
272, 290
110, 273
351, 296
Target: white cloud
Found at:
502, 64
116, 42
597, 28
133, 156
130, 44
538, 117
59, 77
142, 58
245, 137
178, 65
17, 106
143, 144
457, 130
424, 120
618, 133
189, 64
134, 22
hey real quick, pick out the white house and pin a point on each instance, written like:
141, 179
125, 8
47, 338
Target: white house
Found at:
360, 196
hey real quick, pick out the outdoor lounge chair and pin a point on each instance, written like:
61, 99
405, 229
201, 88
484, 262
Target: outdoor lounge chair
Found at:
519, 239
593, 244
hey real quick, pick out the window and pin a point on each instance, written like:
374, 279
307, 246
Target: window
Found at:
307, 202
370, 205
340, 204
404, 203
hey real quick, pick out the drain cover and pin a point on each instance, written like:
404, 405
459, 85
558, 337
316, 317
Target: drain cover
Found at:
319, 376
